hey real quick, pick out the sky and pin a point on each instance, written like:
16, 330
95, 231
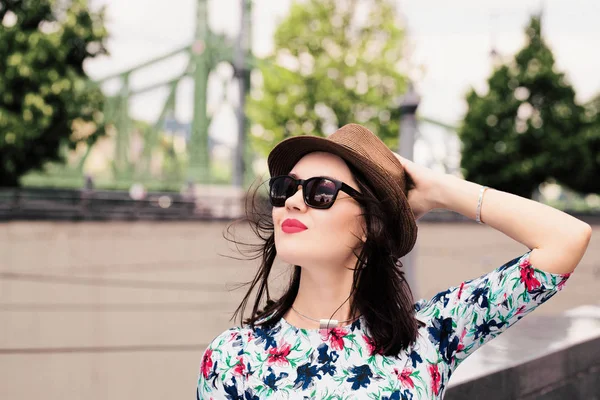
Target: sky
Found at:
448, 49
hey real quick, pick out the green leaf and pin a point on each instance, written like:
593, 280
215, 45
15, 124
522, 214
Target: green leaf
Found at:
528, 128
45, 98
343, 73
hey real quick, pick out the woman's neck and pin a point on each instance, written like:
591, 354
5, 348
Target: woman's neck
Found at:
322, 295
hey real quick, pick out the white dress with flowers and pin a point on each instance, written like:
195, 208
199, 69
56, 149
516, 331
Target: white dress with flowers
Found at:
286, 362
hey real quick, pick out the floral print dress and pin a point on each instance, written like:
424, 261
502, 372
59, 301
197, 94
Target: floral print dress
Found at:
285, 362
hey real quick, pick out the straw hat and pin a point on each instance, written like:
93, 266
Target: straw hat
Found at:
362, 149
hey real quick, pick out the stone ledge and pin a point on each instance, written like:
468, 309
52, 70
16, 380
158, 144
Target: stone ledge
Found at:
538, 358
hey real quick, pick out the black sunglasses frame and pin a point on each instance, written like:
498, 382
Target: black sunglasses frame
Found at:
339, 185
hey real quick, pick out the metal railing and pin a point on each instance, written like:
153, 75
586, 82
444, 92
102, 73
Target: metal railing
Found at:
86, 204
82, 204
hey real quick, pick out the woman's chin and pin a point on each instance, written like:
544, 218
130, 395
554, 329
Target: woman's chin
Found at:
295, 256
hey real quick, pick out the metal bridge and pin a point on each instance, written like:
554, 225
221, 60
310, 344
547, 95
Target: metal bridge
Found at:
204, 54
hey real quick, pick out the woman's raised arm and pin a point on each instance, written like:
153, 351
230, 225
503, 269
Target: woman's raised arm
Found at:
558, 241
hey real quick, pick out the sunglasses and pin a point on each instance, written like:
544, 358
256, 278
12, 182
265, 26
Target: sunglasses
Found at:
319, 192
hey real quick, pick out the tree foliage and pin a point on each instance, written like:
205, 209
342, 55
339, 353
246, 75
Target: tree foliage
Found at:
335, 62
585, 176
45, 97
528, 128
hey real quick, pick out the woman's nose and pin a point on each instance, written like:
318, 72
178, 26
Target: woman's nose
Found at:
296, 200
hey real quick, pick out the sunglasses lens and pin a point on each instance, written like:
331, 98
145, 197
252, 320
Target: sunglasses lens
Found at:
281, 189
320, 192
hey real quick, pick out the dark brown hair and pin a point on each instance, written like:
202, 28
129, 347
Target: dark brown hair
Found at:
379, 289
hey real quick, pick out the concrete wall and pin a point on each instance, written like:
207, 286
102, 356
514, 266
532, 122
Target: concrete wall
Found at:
539, 358
124, 310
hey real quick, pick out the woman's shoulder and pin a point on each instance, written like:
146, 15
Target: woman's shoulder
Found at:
420, 306
229, 338
234, 340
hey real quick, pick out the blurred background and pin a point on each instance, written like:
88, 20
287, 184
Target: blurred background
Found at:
131, 131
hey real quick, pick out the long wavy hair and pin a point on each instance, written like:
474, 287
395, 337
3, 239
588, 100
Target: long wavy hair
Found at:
379, 288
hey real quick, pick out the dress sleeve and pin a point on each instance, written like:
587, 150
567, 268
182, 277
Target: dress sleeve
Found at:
462, 319
222, 369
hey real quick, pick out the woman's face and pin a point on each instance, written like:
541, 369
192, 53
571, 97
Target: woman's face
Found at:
331, 233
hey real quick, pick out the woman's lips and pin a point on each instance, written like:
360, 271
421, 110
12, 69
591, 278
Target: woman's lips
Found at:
291, 225
292, 229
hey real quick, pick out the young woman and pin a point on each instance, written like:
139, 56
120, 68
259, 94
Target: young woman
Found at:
342, 212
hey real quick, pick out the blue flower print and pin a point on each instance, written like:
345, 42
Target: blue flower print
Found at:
305, 374
328, 360
362, 376
415, 358
397, 395
271, 380
231, 391
355, 325
267, 336
248, 395
540, 294
479, 295
442, 296
485, 328
507, 264
441, 334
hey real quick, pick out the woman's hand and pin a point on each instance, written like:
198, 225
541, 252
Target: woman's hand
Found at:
424, 197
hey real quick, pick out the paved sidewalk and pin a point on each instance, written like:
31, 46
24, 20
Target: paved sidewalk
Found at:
124, 310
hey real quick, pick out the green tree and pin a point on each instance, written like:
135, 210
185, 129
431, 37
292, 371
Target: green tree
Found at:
46, 101
333, 63
584, 176
527, 128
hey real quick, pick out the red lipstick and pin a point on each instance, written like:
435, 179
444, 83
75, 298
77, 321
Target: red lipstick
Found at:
291, 225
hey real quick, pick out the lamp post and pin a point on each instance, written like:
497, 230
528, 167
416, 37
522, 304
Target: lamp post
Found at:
199, 162
406, 144
242, 158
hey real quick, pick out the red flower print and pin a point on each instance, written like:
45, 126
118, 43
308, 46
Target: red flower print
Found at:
207, 363
250, 336
461, 345
435, 378
335, 337
561, 284
278, 356
404, 377
370, 345
240, 367
527, 276
460, 290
